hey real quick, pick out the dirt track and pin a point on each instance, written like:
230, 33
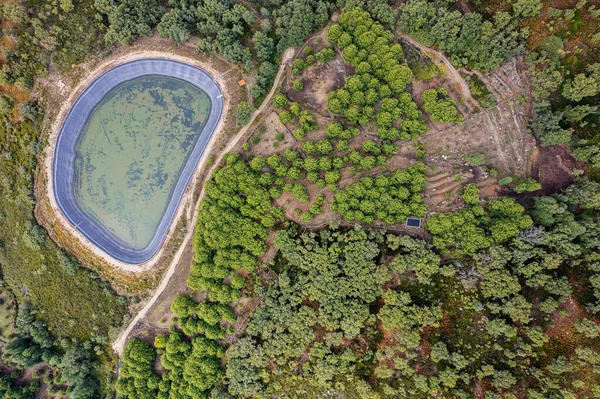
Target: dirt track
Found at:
119, 344
451, 73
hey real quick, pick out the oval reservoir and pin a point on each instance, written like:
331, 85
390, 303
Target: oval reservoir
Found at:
127, 150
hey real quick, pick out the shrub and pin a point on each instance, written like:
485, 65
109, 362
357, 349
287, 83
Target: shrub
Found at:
298, 85
298, 66
475, 159
285, 117
471, 194
527, 185
243, 112
280, 101
325, 55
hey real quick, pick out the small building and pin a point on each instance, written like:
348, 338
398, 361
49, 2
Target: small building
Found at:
242, 82
413, 222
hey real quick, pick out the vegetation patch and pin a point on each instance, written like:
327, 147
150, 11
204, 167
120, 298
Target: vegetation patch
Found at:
439, 106
388, 198
480, 91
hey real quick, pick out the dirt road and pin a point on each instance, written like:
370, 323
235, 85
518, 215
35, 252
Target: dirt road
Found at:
452, 73
119, 343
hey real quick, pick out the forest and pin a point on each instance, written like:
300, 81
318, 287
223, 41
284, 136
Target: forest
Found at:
374, 314
499, 299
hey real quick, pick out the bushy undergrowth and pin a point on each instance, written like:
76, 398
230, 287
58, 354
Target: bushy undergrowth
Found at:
74, 304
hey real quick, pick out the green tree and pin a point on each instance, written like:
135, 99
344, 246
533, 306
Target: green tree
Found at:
527, 185
280, 101
172, 26
243, 113
471, 194
129, 19
263, 45
583, 85
137, 372
475, 159
546, 125
439, 106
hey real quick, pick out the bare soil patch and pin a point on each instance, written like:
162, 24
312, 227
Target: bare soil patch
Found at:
507, 81
498, 133
160, 315
319, 81
556, 168
444, 187
267, 132
562, 330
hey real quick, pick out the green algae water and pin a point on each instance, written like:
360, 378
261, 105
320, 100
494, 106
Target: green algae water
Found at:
130, 153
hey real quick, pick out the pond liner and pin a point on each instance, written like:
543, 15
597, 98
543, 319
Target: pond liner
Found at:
63, 166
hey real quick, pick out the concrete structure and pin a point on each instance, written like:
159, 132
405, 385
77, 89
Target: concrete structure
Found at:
413, 222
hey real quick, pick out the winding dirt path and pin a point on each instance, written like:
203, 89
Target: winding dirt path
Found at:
119, 343
452, 73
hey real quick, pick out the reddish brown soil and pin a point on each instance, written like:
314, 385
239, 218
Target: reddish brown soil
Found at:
480, 388
562, 327
581, 39
556, 165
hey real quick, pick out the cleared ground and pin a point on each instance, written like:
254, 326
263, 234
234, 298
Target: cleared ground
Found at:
498, 133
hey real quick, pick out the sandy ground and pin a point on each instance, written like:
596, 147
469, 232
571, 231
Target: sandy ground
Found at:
119, 344
186, 202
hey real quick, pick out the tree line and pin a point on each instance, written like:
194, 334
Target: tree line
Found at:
471, 40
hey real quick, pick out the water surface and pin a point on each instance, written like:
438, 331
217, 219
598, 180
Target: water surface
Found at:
131, 150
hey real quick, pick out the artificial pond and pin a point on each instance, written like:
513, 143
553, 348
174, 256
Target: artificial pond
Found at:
127, 150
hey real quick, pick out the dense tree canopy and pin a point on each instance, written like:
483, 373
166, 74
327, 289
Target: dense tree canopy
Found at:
221, 25
329, 282
481, 314
231, 229
129, 19
381, 77
389, 198
475, 227
471, 40
137, 372
294, 20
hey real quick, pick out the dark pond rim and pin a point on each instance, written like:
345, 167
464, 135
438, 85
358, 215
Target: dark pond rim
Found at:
63, 165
